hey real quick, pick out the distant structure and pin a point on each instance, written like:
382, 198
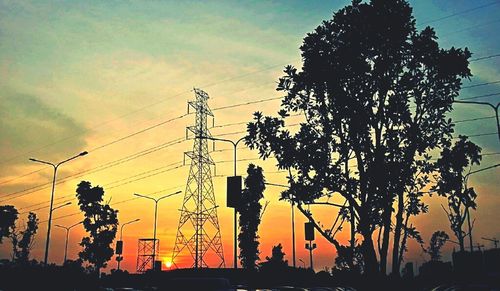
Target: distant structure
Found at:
198, 232
145, 254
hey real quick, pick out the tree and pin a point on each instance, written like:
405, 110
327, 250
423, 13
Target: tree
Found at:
8, 217
277, 259
100, 221
249, 209
23, 241
349, 260
452, 183
437, 241
374, 93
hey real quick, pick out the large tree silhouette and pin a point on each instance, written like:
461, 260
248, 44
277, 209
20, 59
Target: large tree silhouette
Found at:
452, 183
249, 209
8, 217
374, 93
100, 221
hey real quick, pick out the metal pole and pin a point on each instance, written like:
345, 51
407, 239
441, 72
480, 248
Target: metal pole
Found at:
47, 240
470, 231
311, 254
235, 263
49, 223
66, 247
154, 236
121, 239
293, 234
156, 214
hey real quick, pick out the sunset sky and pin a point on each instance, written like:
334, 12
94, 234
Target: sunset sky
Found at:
80, 75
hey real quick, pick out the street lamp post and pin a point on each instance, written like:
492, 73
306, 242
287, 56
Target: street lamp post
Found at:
235, 145
493, 106
303, 263
67, 228
468, 212
55, 166
156, 215
121, 239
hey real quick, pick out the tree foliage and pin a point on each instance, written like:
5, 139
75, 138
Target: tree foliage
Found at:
277, 259
452, 183
23, 240
100, 222
249, 210
8, 217
438, 239
349, 260
374, 93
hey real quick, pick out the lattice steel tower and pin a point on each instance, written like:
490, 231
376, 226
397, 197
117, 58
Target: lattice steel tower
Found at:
199, 231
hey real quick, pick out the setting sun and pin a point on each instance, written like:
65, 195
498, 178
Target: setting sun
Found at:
168, 263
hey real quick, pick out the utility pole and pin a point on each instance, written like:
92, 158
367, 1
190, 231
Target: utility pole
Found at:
235, 178
156, 200
49, 223
67, 238
309, 235
293, 235
494, 107
493, 240
119, 244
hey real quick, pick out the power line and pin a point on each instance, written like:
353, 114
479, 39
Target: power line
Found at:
137, 132
459, 13
482, 84
24, 175
472, 27
138, 110
108, 144
246, 103
479, 96
485, 58
119, 202
152, 127
473, 119
95, 169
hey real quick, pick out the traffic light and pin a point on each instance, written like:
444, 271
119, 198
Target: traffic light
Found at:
309, 231
119, 247
233, 191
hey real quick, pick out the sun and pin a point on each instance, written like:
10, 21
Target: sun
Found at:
168, 264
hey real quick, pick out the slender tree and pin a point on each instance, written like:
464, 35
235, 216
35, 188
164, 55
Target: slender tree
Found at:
452, 183
23, 240
100, 222
8, 217
374, 93
249, 210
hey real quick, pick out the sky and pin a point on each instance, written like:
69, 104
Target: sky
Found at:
82, 75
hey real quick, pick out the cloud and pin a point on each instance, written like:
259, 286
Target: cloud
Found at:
29, 124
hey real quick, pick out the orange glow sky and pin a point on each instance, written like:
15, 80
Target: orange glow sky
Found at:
76, 76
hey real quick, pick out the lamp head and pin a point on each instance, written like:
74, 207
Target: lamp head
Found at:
83, 153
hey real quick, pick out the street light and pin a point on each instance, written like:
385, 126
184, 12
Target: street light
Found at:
303, 263
235, 144
468, 212
55, 166
493, 106
67, 228
120, 257
156, 215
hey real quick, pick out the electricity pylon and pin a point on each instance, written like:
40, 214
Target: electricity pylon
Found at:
199, 231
